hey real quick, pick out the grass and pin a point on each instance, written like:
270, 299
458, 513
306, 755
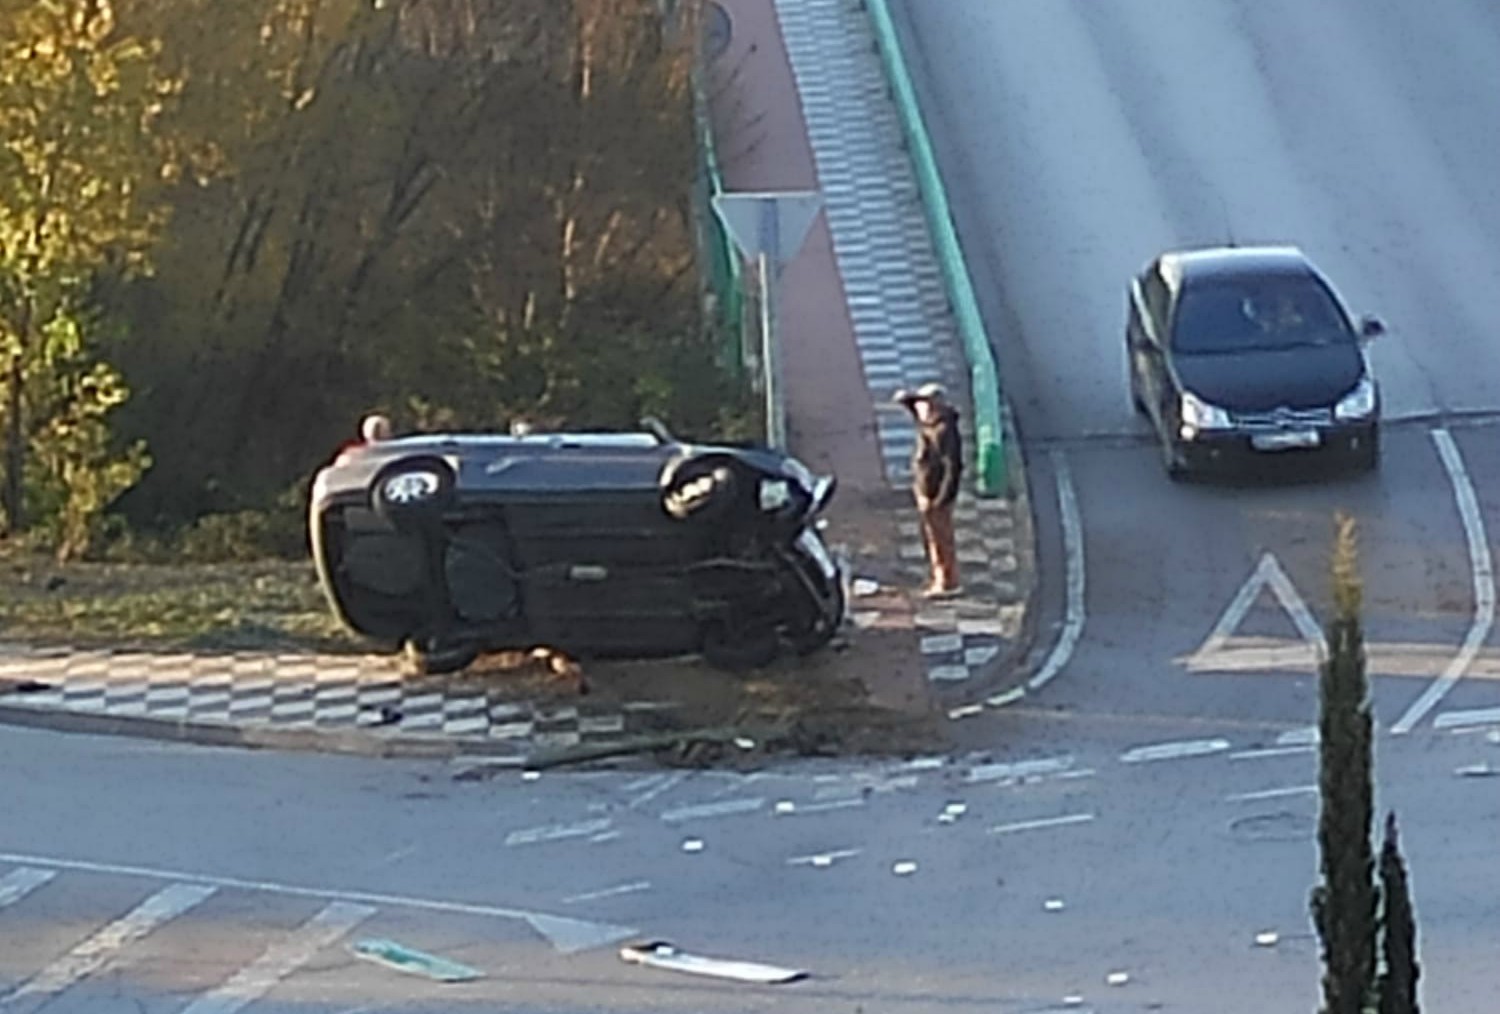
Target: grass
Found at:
273, 604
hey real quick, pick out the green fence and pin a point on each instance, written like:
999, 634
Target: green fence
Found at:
984, 381
723, 274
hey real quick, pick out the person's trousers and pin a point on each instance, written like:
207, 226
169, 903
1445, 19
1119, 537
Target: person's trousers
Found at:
942, 548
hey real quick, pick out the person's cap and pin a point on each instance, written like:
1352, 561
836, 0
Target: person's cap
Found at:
931, 392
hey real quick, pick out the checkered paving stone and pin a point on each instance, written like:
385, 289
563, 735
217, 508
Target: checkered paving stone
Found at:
332, 692
899, 306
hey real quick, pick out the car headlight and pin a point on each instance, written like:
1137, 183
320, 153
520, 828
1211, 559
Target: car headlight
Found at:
1198, 414
1358, 403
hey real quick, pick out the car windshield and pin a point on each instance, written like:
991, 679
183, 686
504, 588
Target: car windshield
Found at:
1264, 313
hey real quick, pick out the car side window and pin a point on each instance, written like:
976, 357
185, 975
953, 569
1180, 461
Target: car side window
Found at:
1154, 289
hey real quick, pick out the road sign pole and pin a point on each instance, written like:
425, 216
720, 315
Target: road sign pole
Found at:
770, 353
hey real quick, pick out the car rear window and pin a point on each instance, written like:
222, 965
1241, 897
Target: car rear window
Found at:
1263, 312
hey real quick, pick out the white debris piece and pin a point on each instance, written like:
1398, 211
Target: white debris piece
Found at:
658, 954
952, 812
693, 845
1073, 1000
744, 743
967, 711
864, 587
1117, 978
1477, 771
1268, 938
530, 776
1053, 905
905, 868
785, 806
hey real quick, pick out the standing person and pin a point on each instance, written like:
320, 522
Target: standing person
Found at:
937, 468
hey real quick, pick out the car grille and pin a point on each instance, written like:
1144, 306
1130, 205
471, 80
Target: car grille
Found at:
1284, 419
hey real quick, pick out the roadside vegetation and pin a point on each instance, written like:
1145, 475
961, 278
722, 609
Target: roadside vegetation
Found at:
1367, 925
228, 230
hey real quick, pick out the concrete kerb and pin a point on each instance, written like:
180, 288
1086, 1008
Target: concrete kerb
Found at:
354, 742
998, 473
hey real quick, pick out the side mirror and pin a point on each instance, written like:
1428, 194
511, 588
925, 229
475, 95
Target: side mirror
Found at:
1370, 327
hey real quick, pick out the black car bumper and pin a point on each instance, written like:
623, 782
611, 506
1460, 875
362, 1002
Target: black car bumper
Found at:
1237, 448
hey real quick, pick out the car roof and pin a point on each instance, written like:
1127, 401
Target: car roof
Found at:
1179, 267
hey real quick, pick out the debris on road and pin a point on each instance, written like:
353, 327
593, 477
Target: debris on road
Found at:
785, 806
1117, 978
1267, 939
693, 845
744, 742
1010, 696
967, 711
659, 954
905, 868
413, 962
1053, 905
952, 812
823, 859
530, 775
1477, 771
864, 587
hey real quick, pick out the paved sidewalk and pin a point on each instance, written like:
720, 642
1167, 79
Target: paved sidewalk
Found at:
803, 103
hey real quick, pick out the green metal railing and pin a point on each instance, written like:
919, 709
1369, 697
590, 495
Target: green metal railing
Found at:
984, 381
723, 274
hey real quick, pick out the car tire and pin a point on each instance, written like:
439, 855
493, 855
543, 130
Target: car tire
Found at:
413, 491
681, 498
437, 658
739, 650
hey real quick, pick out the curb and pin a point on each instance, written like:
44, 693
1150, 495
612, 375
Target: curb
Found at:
358, 743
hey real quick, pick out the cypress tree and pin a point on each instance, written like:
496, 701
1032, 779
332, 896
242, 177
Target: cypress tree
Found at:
1344, 902
1398, 980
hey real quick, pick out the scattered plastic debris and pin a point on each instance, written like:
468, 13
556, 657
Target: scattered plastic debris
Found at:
905, 868
784, 806
530, 776
1267, 939
952, 812
864, 587
659, 954
1054, 905
967, 711
823, 860
1010, 696
693, 845
1477, 771
1072, 1000
744, 742
1117, 978
413, 962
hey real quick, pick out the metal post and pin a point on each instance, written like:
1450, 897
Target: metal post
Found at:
770, 354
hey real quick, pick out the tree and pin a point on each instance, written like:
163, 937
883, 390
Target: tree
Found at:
79, 101
1398, 978
1344, 903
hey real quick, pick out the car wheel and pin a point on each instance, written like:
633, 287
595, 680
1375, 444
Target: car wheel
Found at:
819, 630
739, 650
700, 488
431, 657
413, 490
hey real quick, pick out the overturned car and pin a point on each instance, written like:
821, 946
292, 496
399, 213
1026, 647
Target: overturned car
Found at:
591, 544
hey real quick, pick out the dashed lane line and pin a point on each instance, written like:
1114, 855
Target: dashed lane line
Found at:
1045, 822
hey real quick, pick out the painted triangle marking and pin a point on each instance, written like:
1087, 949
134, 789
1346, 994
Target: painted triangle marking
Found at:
570, 936
1221, 651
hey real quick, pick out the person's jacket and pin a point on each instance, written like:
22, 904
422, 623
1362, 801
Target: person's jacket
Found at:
938, 461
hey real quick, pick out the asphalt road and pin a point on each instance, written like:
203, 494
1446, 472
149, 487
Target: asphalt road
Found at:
1079, 139
179, 880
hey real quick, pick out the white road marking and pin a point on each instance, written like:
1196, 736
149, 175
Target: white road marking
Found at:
17, 884
1463, 719
1074, 613
1271, 751
540, 921
99, 950
1294, 790
1216, 654
1482, 571
609, 892
703, 811
666, 783
281, 959
1308, 735
823, 858
802, 809
1046, 822
557, 832
1018, 769
1174, 751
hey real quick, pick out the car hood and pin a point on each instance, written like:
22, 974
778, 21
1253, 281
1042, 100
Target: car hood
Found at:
1310, 376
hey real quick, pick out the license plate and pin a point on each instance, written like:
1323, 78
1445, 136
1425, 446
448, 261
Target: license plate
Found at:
1290, 440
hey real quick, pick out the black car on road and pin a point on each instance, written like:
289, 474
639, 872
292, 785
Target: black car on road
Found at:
591, 544
1237, 353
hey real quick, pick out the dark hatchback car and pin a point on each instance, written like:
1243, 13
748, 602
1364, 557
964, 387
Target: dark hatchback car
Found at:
1238, 353
598, 544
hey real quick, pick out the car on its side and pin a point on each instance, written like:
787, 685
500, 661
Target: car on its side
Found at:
590, 544
1237, 353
